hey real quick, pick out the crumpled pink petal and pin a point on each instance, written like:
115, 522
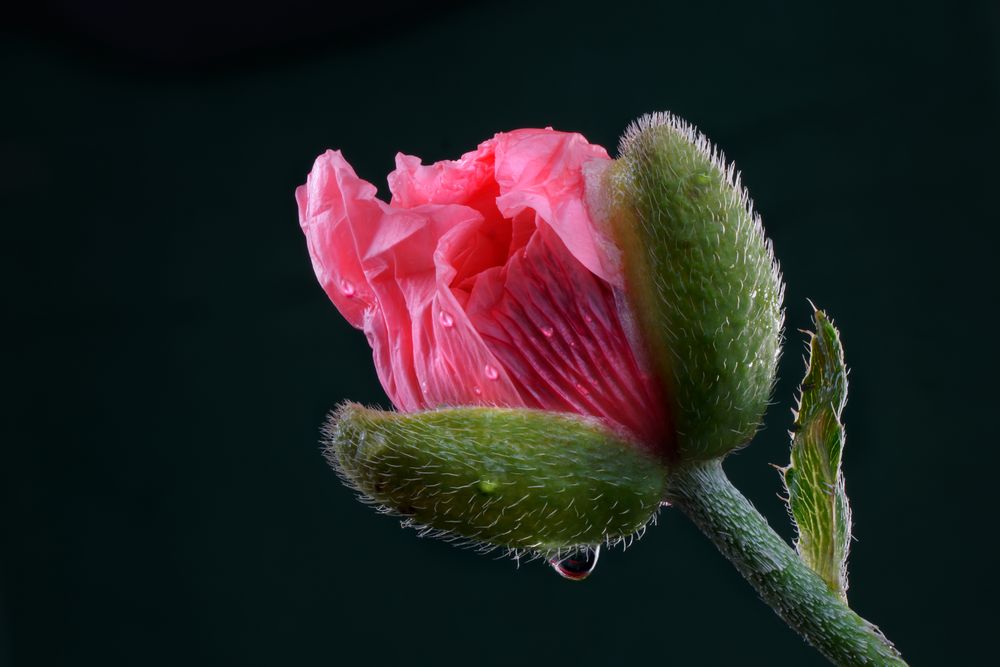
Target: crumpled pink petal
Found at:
541, 170
386, 270
484, 281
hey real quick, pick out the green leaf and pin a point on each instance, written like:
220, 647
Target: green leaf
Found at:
814, 481
525, 480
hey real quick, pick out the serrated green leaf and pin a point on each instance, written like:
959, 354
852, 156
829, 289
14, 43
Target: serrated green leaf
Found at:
524, 480
813, 479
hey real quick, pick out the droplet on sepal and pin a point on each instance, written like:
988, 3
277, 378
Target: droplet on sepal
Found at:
487, 486
578, 565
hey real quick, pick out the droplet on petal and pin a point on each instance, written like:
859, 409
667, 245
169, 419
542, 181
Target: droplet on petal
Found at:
547, 332
446, 319
583, 390
578, 565
347, 287
476, 390
491, 372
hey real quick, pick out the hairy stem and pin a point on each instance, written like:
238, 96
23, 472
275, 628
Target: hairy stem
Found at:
799, 596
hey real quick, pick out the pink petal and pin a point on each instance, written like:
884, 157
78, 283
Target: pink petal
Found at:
541, 170
544, 171
555, 327
444, 182
332, 201
387, 271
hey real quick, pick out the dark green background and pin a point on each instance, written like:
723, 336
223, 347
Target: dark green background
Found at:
163, 496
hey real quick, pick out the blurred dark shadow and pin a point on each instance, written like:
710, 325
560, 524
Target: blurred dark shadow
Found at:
200, 35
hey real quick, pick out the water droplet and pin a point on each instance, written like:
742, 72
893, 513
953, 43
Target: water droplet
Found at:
446, 319
587, 318
476, 390
578, 565
491, 373
547, 332
583, 390
347, 287
488, 486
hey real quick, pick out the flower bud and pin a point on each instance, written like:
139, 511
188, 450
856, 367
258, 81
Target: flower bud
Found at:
526, 480
701, 279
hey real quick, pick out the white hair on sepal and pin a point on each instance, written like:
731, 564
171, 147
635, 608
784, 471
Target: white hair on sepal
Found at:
347, 468
636, 130
517, 554
636, 134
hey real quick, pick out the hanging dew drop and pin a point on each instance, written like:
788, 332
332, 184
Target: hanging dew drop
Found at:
578, 565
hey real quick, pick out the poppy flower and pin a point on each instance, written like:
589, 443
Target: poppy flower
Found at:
556, 330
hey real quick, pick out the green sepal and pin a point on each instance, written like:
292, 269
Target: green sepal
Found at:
702, 280
813, 479
523, 480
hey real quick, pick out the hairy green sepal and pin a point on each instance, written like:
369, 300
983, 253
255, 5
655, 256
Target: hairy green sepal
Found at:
702, 281
524, 480
814, 481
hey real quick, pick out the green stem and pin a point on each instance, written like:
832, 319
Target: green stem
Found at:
800, 597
